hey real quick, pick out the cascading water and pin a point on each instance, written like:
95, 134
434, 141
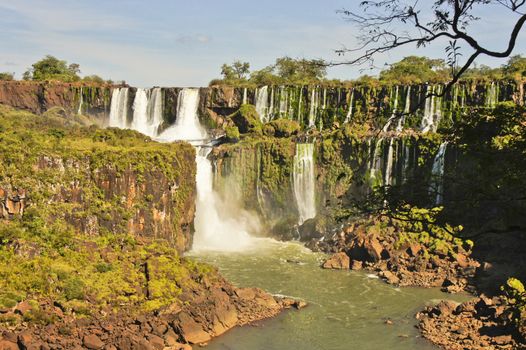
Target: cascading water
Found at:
437, 174
433, 109
376, 162
304, 181
313, 108
407, 109
213, 230
81, 101
393, 114
245, 96
491, 97
119, 108
389, 166
262, 103
349, 112
283, 102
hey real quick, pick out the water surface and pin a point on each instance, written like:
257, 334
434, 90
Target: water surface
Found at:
347, 309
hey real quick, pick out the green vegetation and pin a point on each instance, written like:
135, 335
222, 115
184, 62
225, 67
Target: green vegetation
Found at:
7, 76
415, 70
247, 119
282, 128
410, 70
515, 295
72, 244
232, 133
285, 71
51, 68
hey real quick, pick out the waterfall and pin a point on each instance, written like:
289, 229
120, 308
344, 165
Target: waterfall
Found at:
393, 113
187, 126
437, 174
140, 112
389, 166
214, 230
376, 160
283, 97
433, 110
491, 96
79, 111
244, 96
262, 103
304, 182
349, 113
313, 108
119, 108
407, 109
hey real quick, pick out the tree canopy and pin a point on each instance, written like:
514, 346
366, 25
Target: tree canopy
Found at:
51, 68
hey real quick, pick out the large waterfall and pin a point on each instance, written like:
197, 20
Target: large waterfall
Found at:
304, 181
214, 228
119, 108
437, 174
147, 108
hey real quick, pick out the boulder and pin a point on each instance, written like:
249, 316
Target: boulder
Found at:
8, 345
356, 265
190, 330
374, 249
338, 261
93, 342
390, 277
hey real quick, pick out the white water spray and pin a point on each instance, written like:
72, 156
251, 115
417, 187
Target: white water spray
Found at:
304, 181
214, 229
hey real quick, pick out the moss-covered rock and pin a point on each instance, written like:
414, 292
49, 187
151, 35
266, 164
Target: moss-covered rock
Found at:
247, 119
285, 127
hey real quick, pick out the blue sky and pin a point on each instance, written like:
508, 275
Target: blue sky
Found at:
184, 43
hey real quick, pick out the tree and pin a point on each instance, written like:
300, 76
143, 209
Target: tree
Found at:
515, 68
7, 76
236, 71
51, 68
390, 24
300, 70
415, 70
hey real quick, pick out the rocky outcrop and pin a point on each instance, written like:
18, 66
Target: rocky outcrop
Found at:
400, 263
482, 323
205, 311
12, 202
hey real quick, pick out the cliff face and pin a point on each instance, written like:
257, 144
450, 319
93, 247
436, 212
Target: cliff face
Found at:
40, 97
100, 182
322, 107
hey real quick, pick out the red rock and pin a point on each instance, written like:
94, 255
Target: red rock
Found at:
190, 330
92, 342
374, 249
246, 293
7, 345
356, 265
338, 261
156, 342
23, 308
462, 260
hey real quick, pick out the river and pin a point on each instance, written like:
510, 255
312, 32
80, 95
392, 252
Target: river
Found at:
347, 309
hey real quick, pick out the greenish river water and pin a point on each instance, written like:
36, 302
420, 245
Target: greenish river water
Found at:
347, 309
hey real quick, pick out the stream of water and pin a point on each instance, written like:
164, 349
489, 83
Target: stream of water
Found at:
347, 309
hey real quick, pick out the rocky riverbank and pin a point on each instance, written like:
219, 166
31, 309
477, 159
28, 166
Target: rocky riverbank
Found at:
481, 323
210, 308
381, 245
